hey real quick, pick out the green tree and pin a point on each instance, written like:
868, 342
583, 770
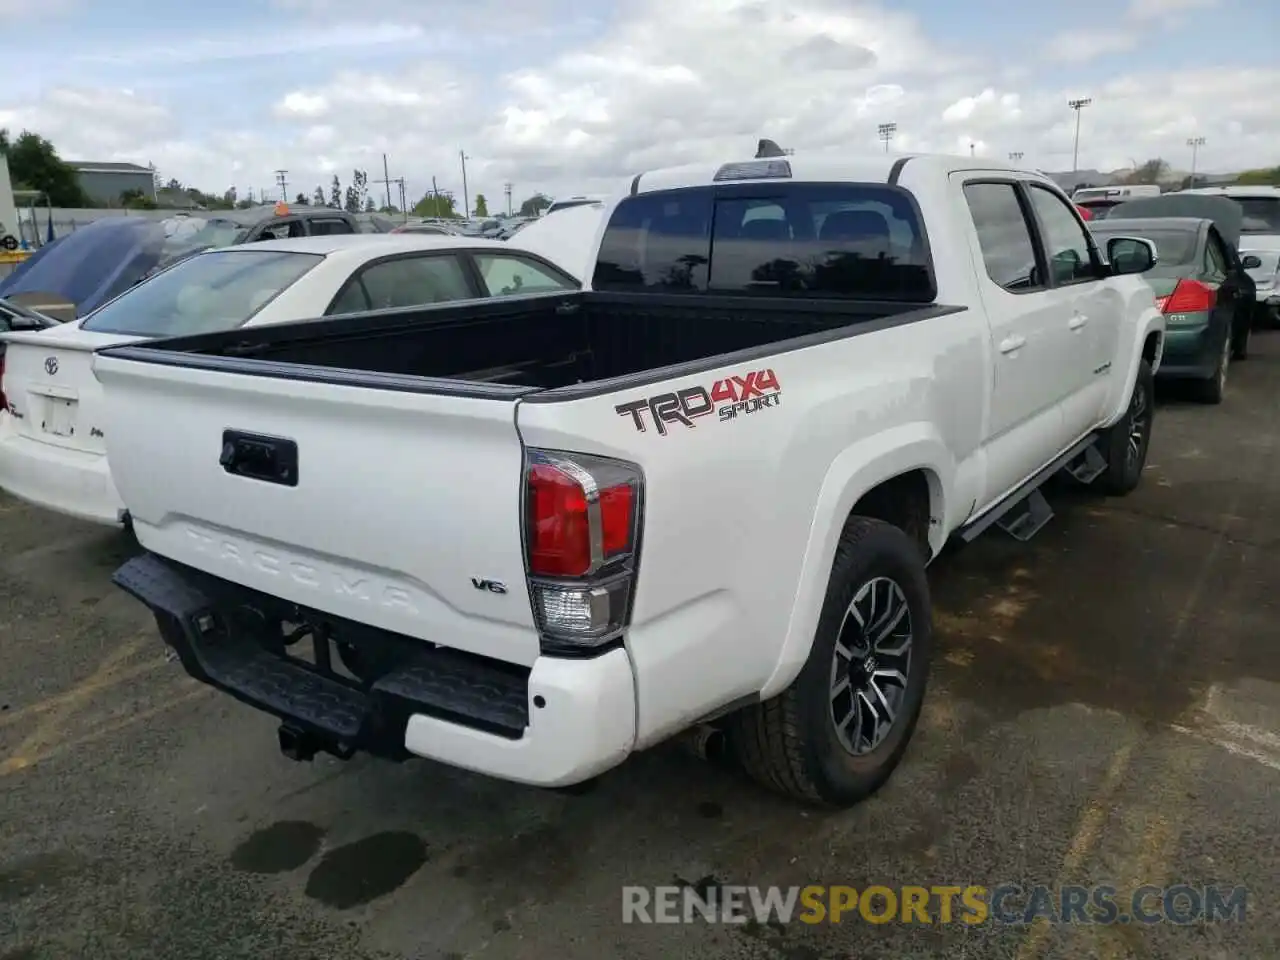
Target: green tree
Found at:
34, 164
1262, 177
135, 199
335, 193
318, 197
436, 205
229, 198
534, 205
300, 199
369, 205
1150, 171
482, 206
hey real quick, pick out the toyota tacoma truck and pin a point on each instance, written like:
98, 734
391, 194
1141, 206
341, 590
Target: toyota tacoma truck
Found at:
532, 537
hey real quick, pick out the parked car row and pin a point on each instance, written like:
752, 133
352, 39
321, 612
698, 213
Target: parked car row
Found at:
52, 427
1216, 277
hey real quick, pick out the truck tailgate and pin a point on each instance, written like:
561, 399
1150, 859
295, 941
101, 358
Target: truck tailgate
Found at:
399, 504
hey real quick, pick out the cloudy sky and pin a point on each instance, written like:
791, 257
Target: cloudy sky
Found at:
566, 96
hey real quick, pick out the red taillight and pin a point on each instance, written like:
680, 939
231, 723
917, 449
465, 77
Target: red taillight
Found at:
4, 401
1189, 296
1085, 213
582, 516
562, 541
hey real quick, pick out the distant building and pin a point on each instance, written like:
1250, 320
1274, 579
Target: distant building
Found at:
104, 182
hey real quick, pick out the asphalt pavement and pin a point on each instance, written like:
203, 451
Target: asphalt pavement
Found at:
1104, 710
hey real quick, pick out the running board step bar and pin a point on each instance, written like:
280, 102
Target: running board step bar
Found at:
1025, 511
1028, 518
1089, 466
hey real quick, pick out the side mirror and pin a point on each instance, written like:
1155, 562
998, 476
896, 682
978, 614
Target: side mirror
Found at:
1251, 262
1131, 255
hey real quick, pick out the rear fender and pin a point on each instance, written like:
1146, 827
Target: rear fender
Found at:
858, 469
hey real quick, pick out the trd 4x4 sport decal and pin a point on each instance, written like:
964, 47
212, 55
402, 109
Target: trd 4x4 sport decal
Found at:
728, 399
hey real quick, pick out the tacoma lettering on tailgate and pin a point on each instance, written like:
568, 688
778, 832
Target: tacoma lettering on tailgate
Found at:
728, 398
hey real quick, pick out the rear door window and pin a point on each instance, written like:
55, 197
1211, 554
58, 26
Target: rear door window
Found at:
404, 282
505, 275
329, 226
849, 241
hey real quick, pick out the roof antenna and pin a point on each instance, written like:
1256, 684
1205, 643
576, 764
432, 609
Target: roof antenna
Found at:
767, 148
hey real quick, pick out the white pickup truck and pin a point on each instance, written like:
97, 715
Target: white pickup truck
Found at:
532, 537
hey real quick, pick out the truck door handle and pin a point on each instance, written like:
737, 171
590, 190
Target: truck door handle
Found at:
258, 457
1078, 321
1010, 344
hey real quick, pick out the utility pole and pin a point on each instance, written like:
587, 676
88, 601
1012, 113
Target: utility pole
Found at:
283, 181
886, 132
386, 179
435, 197
1015, 155
507, 187
1195, 143
404, 212
1077, 106
466, 196
971, 148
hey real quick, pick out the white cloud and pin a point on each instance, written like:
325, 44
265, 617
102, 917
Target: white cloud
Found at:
1082, 44
641, 93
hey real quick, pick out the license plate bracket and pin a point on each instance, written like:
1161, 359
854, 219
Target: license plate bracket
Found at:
59, 417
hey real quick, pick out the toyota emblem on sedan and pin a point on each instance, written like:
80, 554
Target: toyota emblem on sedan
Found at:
51, 365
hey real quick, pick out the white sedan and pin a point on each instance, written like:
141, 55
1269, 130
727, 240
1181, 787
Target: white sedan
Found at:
51, 441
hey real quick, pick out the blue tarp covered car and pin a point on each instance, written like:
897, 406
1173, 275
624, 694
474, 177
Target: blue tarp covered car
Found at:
94, 264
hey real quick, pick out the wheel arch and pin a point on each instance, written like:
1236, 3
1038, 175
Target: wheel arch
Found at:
901, 477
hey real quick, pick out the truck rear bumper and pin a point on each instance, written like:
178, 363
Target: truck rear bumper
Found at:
556, 724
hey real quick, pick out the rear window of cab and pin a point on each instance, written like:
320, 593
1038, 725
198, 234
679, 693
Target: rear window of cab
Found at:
847, 241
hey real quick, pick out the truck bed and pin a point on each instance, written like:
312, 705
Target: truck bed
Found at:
533, 343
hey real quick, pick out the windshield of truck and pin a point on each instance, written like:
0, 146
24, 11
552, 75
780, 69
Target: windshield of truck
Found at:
209, 292
1175, 248
849, 241
1261, 214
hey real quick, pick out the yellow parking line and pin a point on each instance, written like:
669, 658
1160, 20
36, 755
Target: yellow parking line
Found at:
1156, 844
49, 728
78, 693
108, 728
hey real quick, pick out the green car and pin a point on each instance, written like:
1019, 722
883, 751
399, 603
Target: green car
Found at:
1199, 282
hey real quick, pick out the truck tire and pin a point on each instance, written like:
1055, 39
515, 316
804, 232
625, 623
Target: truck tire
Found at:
1125, 462
812, 742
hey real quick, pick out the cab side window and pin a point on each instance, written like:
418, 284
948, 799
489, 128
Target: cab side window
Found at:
1066, 243
1004, 236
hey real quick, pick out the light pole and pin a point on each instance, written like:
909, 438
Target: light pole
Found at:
887, 130
1077, 106
1015, 156
466, 197
1195, 143
971, 147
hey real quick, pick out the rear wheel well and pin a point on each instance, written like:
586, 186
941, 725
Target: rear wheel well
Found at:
905, 501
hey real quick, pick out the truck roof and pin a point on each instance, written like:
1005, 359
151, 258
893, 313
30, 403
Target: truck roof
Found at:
821, 166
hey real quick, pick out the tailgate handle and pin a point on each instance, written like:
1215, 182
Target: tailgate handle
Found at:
251, 455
